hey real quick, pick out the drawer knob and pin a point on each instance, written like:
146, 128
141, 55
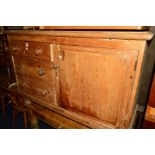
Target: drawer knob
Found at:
15, 49
27, 102
56, 66
38, 51
41, 71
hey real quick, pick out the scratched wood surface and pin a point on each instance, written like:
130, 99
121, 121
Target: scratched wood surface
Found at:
35, 50
37, 69
40, 89
93, 80
95, 27
126, 35
95, 74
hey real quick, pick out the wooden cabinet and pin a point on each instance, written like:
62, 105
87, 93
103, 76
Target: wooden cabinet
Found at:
90, 78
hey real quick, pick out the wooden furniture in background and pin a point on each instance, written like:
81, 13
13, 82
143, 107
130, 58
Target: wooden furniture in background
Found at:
6, 67
152, 94
2, 95
2, 51
8, 91
149, 121
3, 65
85, 77
2, 60
18, 106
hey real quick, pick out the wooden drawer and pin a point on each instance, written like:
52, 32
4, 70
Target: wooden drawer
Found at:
37, 69
16, 47
31, 49
44, 91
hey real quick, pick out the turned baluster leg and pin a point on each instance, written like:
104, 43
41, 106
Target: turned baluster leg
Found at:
33, 121
25, 119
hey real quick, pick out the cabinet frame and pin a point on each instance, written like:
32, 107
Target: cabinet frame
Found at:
125, 41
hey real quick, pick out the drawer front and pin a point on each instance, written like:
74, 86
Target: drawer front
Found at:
16, 47
31, 49
37, 69
42, 90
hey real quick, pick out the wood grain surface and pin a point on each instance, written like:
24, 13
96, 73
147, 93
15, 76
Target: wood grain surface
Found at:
87, 77
95, 27
130, 35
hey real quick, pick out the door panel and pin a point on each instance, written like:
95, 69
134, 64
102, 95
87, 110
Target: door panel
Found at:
97, 81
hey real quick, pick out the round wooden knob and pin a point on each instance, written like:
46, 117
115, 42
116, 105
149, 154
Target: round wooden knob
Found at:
38, 51
56, 66
27, 102
41, 71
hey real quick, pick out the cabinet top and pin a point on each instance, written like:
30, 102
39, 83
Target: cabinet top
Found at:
128, 35
95, 27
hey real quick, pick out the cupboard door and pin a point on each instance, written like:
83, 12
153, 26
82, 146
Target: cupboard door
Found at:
97, 81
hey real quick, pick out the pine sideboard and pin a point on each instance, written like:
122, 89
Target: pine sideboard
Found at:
83, 79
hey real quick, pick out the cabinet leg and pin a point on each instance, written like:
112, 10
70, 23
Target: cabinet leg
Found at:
25, 120
3, 108
33, 121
